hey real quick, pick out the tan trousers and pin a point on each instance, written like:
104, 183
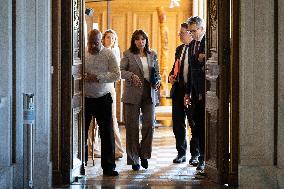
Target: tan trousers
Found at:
136, 148
94, 128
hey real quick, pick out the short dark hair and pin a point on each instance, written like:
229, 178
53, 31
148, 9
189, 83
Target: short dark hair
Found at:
91, 36
184, 25
134, 37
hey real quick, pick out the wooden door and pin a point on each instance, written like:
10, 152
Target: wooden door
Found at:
72, 86
68, 93
217, 90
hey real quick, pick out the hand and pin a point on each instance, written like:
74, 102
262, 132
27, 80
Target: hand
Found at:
90, 77
187, 100
136, 81
172, 79
201, 57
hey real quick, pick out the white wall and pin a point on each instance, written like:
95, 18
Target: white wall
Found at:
35, 49
281, 95
33, 62
257, 95
5, 92
199, 8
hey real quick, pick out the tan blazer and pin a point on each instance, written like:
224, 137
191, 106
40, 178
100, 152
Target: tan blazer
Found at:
131, 64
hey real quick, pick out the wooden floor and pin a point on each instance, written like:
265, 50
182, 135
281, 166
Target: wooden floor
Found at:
162, 172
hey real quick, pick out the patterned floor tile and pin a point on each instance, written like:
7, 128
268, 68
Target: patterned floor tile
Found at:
162, 172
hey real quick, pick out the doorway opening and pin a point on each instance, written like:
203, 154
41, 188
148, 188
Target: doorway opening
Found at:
124, 19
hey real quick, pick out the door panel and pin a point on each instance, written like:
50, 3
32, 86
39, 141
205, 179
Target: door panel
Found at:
217, 90
68, 93
77, 67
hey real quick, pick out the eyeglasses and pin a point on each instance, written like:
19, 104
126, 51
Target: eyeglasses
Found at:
182, 33
193, 31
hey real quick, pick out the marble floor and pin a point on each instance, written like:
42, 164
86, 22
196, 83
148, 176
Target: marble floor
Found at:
162, 172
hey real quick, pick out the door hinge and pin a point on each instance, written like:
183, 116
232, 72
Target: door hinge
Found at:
227, 156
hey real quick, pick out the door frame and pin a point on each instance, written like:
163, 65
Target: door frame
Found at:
57, 177
62, 117
234, 95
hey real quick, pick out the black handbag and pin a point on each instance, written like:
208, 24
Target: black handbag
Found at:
154, 77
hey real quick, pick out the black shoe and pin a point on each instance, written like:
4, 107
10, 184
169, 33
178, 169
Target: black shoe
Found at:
193, 161
200, 166
110, 173
144, 163
136, 167
179, 159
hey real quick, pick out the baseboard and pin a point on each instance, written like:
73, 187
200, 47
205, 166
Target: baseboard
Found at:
6, 177
280, 178
258, 177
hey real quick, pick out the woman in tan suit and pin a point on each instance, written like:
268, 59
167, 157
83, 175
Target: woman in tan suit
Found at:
138, 65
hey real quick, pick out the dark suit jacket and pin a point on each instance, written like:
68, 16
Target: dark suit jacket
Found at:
196, 75
178, 56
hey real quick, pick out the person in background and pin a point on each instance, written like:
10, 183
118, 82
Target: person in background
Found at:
195, 89
178, 77
101, 71
137, 66
110, 41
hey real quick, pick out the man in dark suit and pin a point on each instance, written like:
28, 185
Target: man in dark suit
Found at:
195, 89
178, 78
